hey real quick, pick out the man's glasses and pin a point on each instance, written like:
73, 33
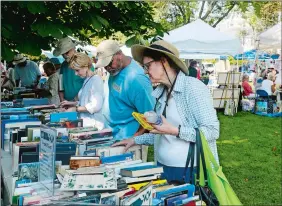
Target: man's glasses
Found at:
147, 65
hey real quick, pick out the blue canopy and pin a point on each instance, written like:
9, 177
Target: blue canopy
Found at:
252, 54
275, 56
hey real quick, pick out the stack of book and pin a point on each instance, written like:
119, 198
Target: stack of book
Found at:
140, 173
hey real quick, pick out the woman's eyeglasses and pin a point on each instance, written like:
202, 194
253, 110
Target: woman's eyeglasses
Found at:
147, 65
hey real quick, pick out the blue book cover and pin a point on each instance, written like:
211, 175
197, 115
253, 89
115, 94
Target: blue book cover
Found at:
145, 167
64, 116
32, 102
187, 187
29, 171
117, 158
261, 107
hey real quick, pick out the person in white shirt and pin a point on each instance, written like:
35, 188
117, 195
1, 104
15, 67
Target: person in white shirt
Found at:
90, 96
268, 84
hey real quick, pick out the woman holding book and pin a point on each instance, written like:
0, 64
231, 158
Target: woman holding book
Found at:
184, 102
91, 95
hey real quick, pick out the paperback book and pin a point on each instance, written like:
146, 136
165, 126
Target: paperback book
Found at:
100, 181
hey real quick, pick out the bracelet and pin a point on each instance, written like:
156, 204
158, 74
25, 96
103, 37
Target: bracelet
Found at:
179, 126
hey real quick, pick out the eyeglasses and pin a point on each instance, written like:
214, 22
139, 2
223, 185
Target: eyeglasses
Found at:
147, 65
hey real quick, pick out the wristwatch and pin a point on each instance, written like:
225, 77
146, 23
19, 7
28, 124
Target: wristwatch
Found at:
76, 107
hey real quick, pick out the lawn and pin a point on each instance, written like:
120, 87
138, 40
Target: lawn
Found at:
249, 150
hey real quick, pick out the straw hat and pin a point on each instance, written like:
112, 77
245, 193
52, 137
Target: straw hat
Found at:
63, 46
159, 46
19, 58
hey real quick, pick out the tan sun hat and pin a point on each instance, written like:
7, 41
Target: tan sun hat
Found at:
63, 46
19, 58
105, 52
159, 46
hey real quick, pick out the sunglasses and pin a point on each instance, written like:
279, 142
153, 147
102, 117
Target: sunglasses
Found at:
147, 65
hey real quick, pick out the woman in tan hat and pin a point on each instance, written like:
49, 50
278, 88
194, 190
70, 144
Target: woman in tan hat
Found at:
91, 95
185, 104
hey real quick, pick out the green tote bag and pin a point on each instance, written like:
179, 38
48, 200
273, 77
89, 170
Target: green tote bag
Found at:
216, 179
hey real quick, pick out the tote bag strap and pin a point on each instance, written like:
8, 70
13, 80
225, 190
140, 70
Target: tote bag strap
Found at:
200, 159
190, 157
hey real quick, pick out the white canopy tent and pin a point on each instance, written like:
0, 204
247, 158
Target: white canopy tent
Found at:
200, 38
271, 38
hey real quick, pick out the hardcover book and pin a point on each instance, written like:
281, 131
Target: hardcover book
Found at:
141, 171
92, 134
78, 162
112, 151
82, 129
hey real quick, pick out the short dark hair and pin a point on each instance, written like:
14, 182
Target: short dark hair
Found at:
193, 63
49, 66
156, 56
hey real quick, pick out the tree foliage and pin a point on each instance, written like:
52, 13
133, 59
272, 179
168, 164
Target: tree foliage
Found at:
29, 26
264, 15
173, 14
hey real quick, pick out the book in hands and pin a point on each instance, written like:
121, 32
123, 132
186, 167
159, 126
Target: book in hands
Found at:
142, 121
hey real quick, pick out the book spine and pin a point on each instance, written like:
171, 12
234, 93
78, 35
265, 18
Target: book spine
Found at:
74, 164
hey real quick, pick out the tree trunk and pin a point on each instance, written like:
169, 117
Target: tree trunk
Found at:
182, 11
202, 9
223, 16
210, 8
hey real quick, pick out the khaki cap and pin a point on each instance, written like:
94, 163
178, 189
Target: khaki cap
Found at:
105, 52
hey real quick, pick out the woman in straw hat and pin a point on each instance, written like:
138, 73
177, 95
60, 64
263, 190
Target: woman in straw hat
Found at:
185, 104
91, 95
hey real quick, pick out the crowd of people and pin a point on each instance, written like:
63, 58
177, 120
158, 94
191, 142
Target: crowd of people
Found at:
268, 80
183, 101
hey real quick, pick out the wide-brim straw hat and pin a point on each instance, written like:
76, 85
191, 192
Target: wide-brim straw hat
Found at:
18, 58
159, 46
63, 46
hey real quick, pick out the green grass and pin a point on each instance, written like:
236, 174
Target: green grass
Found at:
249, 150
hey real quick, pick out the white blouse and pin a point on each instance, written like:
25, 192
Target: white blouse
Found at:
91, 96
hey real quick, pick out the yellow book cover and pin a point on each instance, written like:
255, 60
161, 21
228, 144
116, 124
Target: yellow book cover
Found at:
140, 185
142, 121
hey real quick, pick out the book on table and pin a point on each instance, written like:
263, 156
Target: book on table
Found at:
141, 171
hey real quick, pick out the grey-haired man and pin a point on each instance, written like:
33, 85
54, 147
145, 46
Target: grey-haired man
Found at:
71, 83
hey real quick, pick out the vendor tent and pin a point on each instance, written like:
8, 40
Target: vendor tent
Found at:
200, 38
271, 38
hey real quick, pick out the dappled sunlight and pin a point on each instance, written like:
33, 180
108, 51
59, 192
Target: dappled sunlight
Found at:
231, 164
232, 141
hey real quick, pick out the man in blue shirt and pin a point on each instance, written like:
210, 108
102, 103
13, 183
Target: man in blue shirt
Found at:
129, 90
71, 83
26, 72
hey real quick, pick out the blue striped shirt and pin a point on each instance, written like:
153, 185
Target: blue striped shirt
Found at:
195, 108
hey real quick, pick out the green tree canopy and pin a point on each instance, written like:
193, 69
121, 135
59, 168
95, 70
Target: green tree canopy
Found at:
173, 14
29, 26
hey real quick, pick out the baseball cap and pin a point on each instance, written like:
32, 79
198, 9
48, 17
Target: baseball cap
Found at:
105, 52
